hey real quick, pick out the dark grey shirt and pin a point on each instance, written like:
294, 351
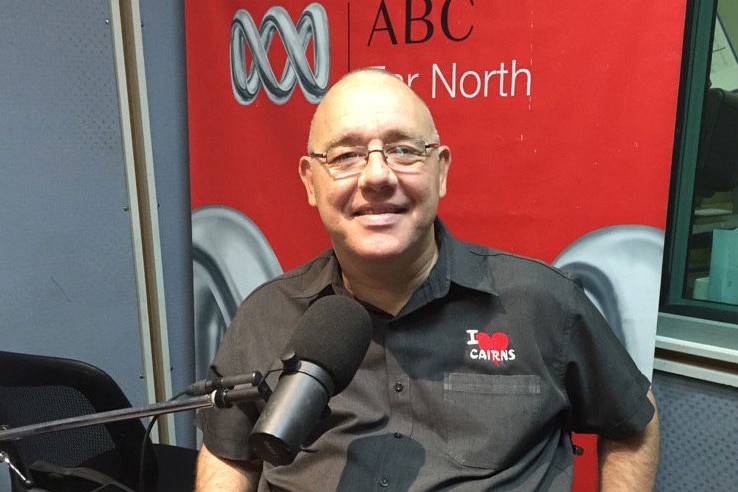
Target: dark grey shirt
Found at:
475, 385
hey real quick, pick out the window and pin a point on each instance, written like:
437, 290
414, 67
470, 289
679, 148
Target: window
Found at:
699, 299
701, 275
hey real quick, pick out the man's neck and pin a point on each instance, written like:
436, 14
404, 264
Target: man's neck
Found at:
388, 284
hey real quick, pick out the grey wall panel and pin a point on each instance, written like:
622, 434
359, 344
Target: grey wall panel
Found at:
67, 284
164, 56
699, 435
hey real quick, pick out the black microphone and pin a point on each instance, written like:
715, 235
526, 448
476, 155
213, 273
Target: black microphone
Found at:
323, 355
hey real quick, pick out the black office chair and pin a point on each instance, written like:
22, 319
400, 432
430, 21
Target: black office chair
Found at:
36, 389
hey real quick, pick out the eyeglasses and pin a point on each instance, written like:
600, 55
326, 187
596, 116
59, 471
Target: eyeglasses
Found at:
405, 155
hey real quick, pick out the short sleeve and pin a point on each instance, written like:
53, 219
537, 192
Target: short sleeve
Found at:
607, 391
226, 430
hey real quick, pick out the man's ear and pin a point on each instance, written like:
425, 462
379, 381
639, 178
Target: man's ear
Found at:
444, 162
306, 175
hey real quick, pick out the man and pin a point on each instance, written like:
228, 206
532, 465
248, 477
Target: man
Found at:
481, 362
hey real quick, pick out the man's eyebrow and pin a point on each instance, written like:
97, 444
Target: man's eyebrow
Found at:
396, 135
349, 139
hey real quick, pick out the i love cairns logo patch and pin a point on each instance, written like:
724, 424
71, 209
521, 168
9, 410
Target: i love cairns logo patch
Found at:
494, 347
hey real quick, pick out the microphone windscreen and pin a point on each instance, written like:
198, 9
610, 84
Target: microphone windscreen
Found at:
334, 333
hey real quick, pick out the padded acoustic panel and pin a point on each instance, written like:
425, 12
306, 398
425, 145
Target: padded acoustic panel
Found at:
699, 435
67, 280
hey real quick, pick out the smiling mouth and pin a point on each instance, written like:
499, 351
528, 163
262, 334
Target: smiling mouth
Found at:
379, 211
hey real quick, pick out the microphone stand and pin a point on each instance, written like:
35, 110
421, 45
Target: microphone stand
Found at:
250, 388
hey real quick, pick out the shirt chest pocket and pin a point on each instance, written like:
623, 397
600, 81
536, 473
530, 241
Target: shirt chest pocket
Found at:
490, 419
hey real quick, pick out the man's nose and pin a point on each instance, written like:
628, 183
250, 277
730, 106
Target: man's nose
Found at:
377, 173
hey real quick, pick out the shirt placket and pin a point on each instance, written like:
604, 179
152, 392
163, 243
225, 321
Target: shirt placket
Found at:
400, 425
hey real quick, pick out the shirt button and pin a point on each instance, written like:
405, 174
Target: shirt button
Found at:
399, 387
398, 435
384, 482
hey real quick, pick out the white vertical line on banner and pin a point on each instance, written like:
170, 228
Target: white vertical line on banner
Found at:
133, 102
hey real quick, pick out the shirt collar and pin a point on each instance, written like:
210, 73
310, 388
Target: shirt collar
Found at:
462, 263
458, 262
326, 280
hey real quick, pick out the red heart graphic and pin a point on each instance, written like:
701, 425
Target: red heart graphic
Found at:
497, 341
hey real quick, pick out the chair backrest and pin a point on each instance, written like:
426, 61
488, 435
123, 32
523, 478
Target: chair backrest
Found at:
36, 389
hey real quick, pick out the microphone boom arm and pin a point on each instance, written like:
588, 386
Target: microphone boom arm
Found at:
224, 397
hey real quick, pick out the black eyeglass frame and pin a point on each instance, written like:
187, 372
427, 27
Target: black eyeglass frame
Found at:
364, 152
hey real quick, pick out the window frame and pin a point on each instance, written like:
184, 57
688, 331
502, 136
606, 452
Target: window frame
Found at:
699, 31
696, 338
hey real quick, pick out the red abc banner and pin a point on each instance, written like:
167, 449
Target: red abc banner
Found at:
560, 114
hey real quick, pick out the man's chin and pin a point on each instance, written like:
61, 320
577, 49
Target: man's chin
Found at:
378, 253
376, 250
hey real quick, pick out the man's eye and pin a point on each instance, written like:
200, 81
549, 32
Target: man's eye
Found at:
347, 156
404, 150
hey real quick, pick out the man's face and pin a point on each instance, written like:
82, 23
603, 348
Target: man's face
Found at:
379, 213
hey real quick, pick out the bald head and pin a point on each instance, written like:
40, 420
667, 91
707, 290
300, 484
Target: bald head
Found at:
366, 96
